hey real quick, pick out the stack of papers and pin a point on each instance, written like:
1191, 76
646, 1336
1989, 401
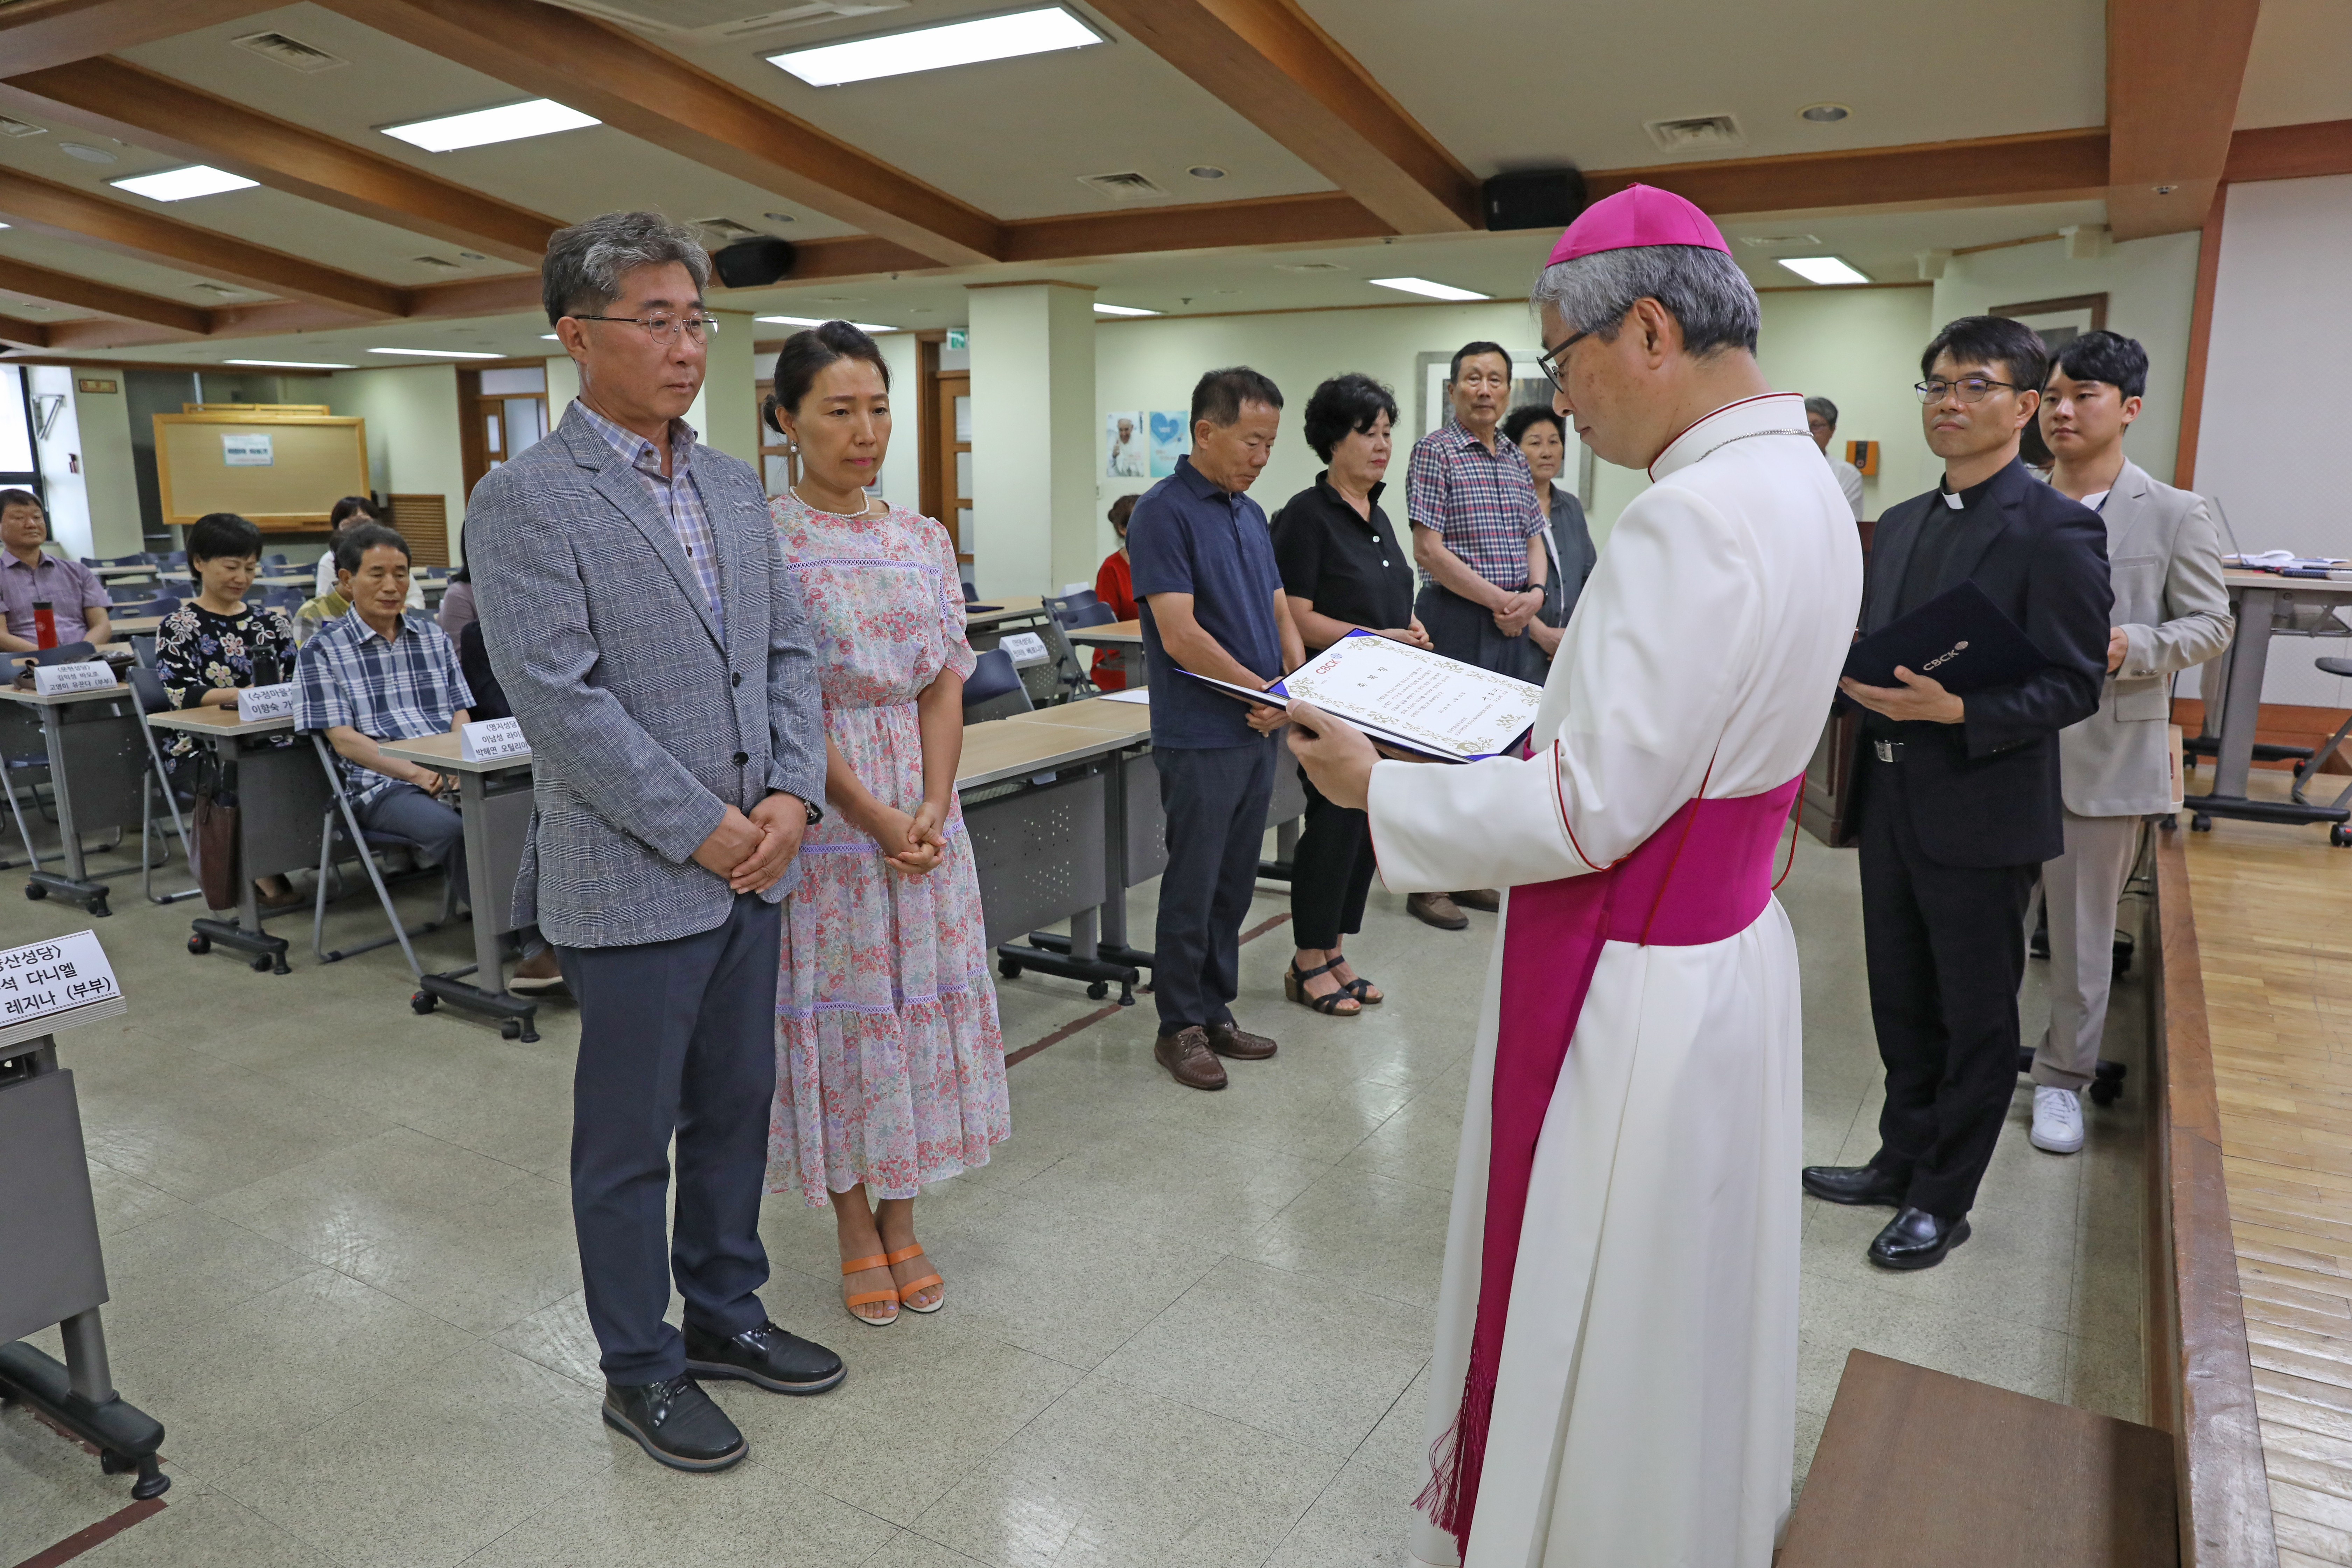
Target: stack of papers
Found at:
1408, 698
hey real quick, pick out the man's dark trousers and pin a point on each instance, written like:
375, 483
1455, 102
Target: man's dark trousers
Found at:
675, 1036
1215, 798
1945, 949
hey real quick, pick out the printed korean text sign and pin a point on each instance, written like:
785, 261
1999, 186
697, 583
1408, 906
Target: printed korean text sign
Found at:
54, 985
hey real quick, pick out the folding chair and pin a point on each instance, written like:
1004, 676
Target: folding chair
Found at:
2312, 764
994, 689
1061, 676
1061, 605
341, 829
147, 686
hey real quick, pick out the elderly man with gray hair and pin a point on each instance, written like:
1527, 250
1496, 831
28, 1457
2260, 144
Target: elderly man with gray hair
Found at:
1821, 419
1615, 1377
639, 615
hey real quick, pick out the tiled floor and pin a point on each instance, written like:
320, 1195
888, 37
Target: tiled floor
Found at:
1180, 1328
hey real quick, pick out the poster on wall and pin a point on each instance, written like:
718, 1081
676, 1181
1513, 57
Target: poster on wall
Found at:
1171, 438
246, 450
1123, 434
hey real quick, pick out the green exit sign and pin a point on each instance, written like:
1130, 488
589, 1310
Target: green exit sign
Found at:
955, 337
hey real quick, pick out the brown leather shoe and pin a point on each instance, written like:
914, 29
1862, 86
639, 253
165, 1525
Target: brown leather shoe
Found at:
1437, 910
1186, 1056
1239, 1044
1486, 898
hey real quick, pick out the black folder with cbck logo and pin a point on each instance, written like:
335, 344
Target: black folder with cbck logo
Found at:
1959, 638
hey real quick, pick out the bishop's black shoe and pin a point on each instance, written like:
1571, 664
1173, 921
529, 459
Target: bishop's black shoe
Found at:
1856, 1184
1917, 1239
776, 1360
674, 1423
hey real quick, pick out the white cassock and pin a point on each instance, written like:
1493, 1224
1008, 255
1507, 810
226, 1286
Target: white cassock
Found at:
1646, 1400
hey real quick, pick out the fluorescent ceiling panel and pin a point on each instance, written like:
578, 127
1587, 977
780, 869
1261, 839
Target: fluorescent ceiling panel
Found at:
1824, 269
935, 48
509, 122
820, 321
289, 365
1434, 290
179, 184
439, 353
1123, 311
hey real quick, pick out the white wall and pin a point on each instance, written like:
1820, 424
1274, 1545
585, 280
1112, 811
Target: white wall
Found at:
562, 386
412, 430
109, 481
58, 455
902, 463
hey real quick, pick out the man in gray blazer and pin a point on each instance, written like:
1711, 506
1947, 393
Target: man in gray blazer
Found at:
637, 612
2172, 611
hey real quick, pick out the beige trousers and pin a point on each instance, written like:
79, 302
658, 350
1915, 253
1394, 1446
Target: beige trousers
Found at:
2081, 888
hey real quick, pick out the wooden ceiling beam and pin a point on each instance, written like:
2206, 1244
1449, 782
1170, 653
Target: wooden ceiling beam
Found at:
1326, 217
1270, 63
114, 98
2045, 166
25, 334
37, 34
2174, 69
2290, 151
627, 82
69, 212
65, 288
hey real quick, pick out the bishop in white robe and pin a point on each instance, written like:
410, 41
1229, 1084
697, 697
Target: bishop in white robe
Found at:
1615, 1380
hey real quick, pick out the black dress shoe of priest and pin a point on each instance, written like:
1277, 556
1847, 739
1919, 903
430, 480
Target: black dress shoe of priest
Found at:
1855, 1184
776, 1360
674, 1423
1917, 1239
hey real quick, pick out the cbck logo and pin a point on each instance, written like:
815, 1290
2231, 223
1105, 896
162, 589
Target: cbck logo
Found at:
1958, 649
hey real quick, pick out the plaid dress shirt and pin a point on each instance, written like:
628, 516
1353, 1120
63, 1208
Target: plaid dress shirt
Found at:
677, 498
1482, 504
399, 691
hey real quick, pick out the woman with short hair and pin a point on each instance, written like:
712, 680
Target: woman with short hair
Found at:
1541, 436
1114, 586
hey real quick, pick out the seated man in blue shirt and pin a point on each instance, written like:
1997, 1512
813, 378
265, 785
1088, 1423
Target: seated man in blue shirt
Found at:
382, 672
1210, 601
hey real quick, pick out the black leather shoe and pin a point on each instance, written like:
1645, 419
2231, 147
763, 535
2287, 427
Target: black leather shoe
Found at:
674, 1423
1855, 1184
776, 1360
1917, 1239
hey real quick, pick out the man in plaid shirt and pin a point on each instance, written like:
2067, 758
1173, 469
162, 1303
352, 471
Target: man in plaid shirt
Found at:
1478, 537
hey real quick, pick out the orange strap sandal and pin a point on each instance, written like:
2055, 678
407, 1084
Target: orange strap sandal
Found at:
870, 1298
906, 1292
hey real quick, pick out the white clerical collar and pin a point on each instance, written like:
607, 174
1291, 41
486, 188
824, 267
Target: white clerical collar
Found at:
1775, 412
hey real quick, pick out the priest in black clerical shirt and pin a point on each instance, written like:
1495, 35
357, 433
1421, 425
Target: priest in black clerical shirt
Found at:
1956, 800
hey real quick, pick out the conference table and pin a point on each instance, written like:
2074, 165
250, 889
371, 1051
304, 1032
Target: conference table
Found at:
2266, 603
282, 800
97, 762
1123, 638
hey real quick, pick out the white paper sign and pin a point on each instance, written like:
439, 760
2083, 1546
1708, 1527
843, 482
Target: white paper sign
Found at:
256, 704
246, 449
489, 740
53, 680
1027, 648
48, 977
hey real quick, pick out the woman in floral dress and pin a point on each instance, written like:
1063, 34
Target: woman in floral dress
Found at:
890, 1062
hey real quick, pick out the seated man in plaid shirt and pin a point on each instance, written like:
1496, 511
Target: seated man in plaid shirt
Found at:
382, 672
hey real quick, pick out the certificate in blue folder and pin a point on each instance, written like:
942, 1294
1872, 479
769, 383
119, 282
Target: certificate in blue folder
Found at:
1408, 698
1959, 638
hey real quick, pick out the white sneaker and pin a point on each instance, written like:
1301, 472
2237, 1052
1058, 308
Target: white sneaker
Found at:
2057, 1120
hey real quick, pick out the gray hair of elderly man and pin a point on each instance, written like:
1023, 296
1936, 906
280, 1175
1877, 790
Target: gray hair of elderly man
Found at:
1702, 288
584, 264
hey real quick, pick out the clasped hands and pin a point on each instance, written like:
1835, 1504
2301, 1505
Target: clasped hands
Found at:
752, 850
1511, 618
1920, 697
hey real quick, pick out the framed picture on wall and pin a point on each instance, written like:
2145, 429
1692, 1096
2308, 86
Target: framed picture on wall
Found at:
2059, 321
1528, 385
1171, 438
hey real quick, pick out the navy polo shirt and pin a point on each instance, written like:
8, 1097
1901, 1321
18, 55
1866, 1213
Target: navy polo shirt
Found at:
1188, 536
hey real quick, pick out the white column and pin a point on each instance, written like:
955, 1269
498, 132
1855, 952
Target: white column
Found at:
1033, 437
562, 386
725, 411
902, 464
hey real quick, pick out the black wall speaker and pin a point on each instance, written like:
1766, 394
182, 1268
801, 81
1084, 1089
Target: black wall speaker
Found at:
1539, 198
752, 263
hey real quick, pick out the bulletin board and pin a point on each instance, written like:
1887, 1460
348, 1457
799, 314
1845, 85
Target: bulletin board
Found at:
282, 471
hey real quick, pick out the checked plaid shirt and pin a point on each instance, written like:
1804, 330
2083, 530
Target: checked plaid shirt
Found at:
1482, 504
400, 690
677, 498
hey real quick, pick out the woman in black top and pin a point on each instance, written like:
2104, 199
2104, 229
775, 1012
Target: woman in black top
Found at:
1342, 569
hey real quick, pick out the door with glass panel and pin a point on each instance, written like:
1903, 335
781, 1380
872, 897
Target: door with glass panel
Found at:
951, 426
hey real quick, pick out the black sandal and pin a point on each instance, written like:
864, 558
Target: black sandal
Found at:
1294, 986
1361, 989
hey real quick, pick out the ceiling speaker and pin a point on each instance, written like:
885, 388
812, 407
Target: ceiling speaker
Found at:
753, 263
1538, 198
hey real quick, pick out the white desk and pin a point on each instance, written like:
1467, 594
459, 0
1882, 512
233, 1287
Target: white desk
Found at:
495, 800
2236, 678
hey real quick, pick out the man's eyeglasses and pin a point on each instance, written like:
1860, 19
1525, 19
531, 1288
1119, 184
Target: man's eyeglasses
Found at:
665, 329
1971, 388
1552, 360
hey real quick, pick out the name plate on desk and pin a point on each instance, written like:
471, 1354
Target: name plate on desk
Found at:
488, 740
55, 984
256, 704
56, 680
1026, 648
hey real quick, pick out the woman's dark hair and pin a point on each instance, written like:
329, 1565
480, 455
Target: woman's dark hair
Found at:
219, 533
343, 509
464, 571
809, 352
1344, 404
361, 537
2102, 356
1526, 416
1120, 511
1992, 339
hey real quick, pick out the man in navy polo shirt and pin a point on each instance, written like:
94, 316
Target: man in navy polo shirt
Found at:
1210, 601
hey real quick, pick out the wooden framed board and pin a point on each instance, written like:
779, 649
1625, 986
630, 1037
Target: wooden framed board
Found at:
283, 471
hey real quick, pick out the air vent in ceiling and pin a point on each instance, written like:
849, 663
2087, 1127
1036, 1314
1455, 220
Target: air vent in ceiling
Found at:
19, 127
292, 53
725, 230
1307, 266
442, 262
1703, 134
1776, 239
222, 290
1127, 186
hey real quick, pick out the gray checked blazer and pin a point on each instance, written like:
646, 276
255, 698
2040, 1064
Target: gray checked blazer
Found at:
2165, 557
643, 725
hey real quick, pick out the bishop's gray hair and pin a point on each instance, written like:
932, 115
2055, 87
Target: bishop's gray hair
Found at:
584, 264
1702, 288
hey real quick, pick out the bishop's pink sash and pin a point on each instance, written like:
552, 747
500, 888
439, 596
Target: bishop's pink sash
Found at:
1701, 877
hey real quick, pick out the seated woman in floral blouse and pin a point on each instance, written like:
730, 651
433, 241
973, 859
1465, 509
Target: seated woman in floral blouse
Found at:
207, 649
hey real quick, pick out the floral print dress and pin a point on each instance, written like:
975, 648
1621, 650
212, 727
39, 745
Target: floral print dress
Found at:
198, 649
890, 1060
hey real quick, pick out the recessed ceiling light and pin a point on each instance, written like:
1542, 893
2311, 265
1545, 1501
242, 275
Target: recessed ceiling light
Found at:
1824, 113
289, 365
820, 321
437, 354
1123, 311
551, 337
1423, 286
777, 218
1205, 172
179, 184
1824, 269
935, 48
507, 122
86, 153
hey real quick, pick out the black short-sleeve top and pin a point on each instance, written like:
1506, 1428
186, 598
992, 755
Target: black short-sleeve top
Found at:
1350, 567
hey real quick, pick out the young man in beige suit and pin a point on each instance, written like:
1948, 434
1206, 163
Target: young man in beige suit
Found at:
2170, 612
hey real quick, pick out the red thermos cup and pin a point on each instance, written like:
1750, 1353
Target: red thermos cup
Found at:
45, 625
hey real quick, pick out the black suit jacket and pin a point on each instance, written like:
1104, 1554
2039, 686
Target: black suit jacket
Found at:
1985, 792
